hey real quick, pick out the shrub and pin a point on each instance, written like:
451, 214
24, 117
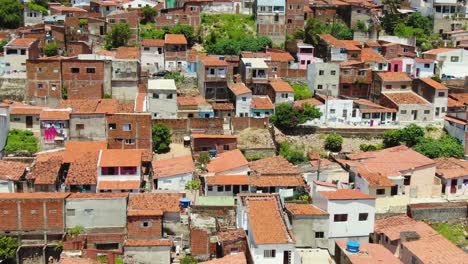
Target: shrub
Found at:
292, 153
51, 49
161, 138
75, 231
446, 146
333, 142
287, 117
21, 141
8, 247
369, 147
301, 91
411, 134
204, 158
118, 36
391, 138
193, 185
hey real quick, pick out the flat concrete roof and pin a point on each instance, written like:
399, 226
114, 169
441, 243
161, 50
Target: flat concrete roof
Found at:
162, 84
257, 63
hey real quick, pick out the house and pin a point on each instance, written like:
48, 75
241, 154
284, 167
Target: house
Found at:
273, 166
280, 62
242, 96
167, 203
152, 55
285, 185
125, 73
334, 50
335, 110
324, 78
226, 185
45, 171
119, 170
270, 19
261, 107
17, 51
132, 18
372, 114
346, 208
223, 110
402, 64
415, 242
231, 162
324, 172
173, 173
434, 92
450, 62
394, 171
44, 80
213, 143
454, 176
129, 131
25, 117
31, 16
309, 225
104, 8
193, 106
254, 73
212, 79
233, 244
4, 125
55, 127
33, 213
95, 211
68, 11
424, 68
305, 52
12, 174
456, 124
262, 216
280, 91
148, 251
373, 59
410, 106
374, 253
355, 79
391, 50
175, 52
162, 98
389, 81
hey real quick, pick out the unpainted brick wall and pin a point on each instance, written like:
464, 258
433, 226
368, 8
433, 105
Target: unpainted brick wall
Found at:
136, 230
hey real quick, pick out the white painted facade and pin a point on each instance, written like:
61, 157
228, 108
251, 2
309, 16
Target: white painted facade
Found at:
338, 54
96, 213
453, 63
459, 189
152, 59
175, 65
139, 4
338, 111
440, 104
258, 253
283, 97
148, 255
31, 17
423, 69
7, 186
243, 170
79, 3
162, 96
243, 102
175, 182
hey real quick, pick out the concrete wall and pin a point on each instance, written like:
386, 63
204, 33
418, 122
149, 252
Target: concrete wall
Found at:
13, 88
148, 255
7, 186
162, 106
19, 122
243, 107
176, 182
439, 212
94, 127
424, 183
304, 228
152, 60
329, 83
96, 213
407, 117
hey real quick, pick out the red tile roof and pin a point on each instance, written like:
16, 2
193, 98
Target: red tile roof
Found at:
228, 160
375, 179
421, 60
276, 165
280, 56
239, 88
54, 115
153, 43
451, 168
304, 209
11, 170
140, 102
454, 103
326, 184
437, 51
228, 180
434, 84
394, 76
223, 106
145, 213
148, 243
370, 55
345, 194
75, 150
238, 258
166, 202
336, 43
215, 62
277, 181
25, 110
118, 185
34, 195
455, 120
175, 39
120, 158
299, 104
76, 260
198, 136
128, 53
21, 42
46, 167
173, 166
96, 196
190, 100
279, 85
403, 98
67, 8
262, 102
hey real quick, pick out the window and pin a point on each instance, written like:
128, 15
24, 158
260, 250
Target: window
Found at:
210, 188
321, 72
129, 141
454, 58
112, 126
319, 234
426, 112
90, 70
244, 99
333, 72
441, 94
405, 50
34, 211
54, 87
380, 191
23, 52
332, 111
228, 188
269, 253
362, 73
122, 20
156, 96
403, 112
169, 96
53, 211
226, 147
39, 69
289, 21
220, 188
127, 127
291, 7
146, 48
245, 188
407, 180
112, 21
340, 218
79, 127
303, 63
274, 68
403, 87
70, 212
427, 65
284, 95
89, 211
320, 87
75, 70
40, 86
145, 223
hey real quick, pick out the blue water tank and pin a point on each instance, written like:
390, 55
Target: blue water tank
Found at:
352, 246
212, 152
184, 203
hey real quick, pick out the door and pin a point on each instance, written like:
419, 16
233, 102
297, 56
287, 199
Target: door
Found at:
29, 121
417, 72
235, 189
453, 186
395, 68
286, 257
101, 30
394, 190
415, 114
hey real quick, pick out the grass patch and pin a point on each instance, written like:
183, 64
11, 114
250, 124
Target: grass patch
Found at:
453, 232
21, 141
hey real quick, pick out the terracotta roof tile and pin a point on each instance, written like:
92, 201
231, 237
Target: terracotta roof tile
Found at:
345, 194
11, 170
304, 209
437, 51
454, 103
231, 235
326, 184
239, 88
372, 44
128, 53
277, 181
118, 185
451, 168
460, 97
93, 105
238, 258
227, 161
67, 8
215, 62
455, 120
280, 56
148, 243
198, 136
83, 171
434, 84
276, 165
78, 196
153, 43
334, 42
223, 106
166, 202
25, 110
228, 180
190, 100
299, 104
144, 213
262, 102
173, 166
402, 98
54, 115
75, 150
421, 60
140, 102
279, 85
76, 260
375, 179
46, 167
175, 39
21, 42
120, 158
34, 195
394, 76
370, 55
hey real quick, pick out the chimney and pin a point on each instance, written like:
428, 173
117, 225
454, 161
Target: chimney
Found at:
408, 236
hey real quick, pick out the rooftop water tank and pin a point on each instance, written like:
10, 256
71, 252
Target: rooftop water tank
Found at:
184, 203
352, 246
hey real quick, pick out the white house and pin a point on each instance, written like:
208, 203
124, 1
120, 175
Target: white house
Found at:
453, 173
324, 78
352, 214
152, 55
434, 92
17, 51
162, 94
423, 68
281, 91
230, 162
268, 230
31, 17
4, 125
243, 98
173, 173
139, 4
451, 62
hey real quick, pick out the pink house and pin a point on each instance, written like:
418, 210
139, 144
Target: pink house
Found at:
401, 64
305, 55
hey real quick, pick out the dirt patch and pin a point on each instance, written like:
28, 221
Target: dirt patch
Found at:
254, 138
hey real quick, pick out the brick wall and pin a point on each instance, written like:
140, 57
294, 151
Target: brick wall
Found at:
199, 242
136, 230
44, 80
140, 131
83, 78
214, 143
9, 215
241, 123
207, 123
93, 91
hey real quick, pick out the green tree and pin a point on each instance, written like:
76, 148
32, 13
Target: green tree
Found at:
188, 260
204, 158
292, 153
301, 91
340, 30
333, 142
118, 36
11, 15
411, 134
312, 30
369, 147
286, 117
193, 185
75, 231
391, 138
446, 146
360, 26
2, 44
8, 247
161, 138
37, 7
416, 20
51, 49
148, 13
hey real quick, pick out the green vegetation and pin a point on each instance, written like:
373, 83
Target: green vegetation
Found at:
161, 138
230, 34
64, 92
148, 14
178, 77
188, 260
35, 7
11, 15
102, 259
193, 185
292, 152
149, 31
59, 246
315, 27
453, 232
118, 36
3, 43
333, 142
51, 49
119, 260
255, 156
360, 26
286, 117
21, 141
107, 96
391, 138
8, 247
369, 147
301, 91
75, 231
204, 158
